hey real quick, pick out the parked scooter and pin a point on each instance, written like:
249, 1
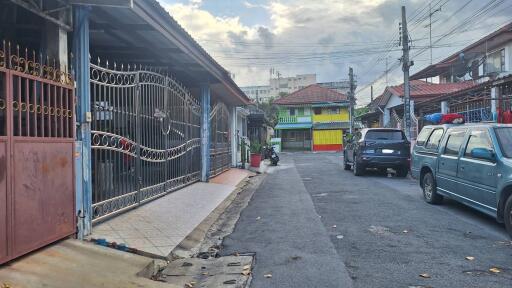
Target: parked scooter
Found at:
271, 154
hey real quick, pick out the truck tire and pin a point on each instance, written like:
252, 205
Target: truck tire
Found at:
507, 216
346, 166
359, 169
402, 172
430, 189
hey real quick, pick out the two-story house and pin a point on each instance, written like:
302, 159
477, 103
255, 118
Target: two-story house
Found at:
312, 118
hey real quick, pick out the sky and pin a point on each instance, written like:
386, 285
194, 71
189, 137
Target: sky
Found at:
326, 37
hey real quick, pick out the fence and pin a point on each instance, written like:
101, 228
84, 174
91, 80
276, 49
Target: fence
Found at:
145, 137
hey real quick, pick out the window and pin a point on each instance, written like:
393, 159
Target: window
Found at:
505, 139
422, 138
454, 142
292, 111
384, 135
495, 62
435, 138
317, 111
334, 110
301, 111
478, 139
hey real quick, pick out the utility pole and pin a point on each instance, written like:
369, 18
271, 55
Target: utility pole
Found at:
406, 64
351, 98
371, 93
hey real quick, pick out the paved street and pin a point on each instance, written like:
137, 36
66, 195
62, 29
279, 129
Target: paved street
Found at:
312, 224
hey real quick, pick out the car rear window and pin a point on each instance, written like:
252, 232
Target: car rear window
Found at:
384, 135
505, 140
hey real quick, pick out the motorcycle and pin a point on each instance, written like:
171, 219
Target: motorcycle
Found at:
271, 154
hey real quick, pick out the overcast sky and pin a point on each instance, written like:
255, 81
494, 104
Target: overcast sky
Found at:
248, 37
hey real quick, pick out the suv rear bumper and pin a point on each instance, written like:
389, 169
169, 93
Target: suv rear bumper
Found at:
375, 161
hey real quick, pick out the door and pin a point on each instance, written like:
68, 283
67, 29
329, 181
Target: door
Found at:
478, 176
448, 162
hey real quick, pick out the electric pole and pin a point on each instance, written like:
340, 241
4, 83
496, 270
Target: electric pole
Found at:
351, 98
406, 64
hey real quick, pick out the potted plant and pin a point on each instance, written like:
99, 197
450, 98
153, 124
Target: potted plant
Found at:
255, 154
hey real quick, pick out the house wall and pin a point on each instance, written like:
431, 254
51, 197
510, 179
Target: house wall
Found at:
327, 115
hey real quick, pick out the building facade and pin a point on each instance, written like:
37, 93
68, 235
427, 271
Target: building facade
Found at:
312, 118
338, 86
257, 93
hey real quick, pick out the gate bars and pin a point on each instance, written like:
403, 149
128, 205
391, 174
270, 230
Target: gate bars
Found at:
145, 137
220, 149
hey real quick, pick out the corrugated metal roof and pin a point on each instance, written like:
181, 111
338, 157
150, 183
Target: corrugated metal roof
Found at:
288, 126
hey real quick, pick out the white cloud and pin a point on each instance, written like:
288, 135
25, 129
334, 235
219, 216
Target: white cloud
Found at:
316, 36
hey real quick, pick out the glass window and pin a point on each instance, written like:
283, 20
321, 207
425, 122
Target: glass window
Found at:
454, 142
334, 110
301, 111
505, 140
495, 62
292, 111
318, 111
384, 135
422, 138
435, 138
478, 139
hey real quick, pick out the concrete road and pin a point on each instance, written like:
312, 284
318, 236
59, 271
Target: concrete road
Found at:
312, 224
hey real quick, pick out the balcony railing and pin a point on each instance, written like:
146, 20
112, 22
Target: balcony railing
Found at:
294, 119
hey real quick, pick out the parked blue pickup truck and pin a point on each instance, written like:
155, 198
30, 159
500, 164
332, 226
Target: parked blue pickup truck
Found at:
469, 163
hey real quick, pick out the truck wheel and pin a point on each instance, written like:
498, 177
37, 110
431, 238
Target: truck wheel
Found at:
402, 172
508, 216
358, 168
346, 166
430, 189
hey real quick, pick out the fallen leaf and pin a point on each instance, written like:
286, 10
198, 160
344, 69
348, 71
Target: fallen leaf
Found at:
495, 270
189, 285
333, 226
246, 272
405, 231
247, 267
205, 273
339, 236
267, 275
258, 218
425, 275
470, 258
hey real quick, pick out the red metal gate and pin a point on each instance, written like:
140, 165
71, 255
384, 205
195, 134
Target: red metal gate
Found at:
37, 196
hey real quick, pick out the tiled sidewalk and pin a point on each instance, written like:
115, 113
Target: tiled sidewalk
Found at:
157, 227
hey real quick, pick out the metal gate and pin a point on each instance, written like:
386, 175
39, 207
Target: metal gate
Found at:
145, 137
220, 149
37, 197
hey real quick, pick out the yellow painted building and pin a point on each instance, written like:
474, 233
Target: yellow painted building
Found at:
313, 118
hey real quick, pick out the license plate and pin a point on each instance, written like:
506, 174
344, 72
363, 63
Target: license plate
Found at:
387, 151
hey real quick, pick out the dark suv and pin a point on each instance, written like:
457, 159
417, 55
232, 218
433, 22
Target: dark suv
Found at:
379, 148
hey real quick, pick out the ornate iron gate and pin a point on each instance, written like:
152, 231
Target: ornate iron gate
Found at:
220, 149
145, 137
37, 197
